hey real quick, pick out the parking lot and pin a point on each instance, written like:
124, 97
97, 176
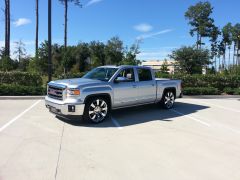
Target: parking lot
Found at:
198, 139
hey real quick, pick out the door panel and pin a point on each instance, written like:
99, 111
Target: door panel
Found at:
125, 94
146, 91
125, 91
146, 86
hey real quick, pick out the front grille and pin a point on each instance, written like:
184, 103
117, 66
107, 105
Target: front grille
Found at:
55, 92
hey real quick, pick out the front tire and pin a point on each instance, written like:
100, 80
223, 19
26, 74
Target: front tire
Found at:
97, 109
168, 99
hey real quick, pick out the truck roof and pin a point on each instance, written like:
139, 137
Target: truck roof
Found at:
114, 66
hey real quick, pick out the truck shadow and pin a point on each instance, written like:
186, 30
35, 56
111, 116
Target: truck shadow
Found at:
139, 115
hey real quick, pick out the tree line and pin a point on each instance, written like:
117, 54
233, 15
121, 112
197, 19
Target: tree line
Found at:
218, 49
8, 23
73, 59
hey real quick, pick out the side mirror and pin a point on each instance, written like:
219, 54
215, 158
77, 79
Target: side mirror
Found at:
120, 79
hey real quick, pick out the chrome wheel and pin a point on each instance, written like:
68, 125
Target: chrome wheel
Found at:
169, 100
98, 110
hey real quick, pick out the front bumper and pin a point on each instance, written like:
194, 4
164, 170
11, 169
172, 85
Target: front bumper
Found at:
62, 108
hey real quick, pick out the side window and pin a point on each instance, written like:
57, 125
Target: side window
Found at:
144, 74
127, 74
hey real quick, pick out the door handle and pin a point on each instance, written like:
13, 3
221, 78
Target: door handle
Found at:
134, 86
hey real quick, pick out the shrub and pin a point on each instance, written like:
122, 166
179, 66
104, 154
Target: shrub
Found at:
229, 90
71, 75
200, 91
18, 90
20, 78
198, 80
237, 91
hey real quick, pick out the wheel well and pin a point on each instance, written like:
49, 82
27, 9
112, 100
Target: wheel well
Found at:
170, 89
105, 96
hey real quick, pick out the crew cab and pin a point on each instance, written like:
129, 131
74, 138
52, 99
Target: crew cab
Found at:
110, 87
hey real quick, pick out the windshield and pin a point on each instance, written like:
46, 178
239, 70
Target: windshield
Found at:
103, 74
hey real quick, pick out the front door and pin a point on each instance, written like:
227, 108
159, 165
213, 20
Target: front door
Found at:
125, 88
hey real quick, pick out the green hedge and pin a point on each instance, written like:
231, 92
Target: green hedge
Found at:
72, 75
229, 90
237, 91
232, 91
20, 78
18, 90
23, 83
200, 91
217, 81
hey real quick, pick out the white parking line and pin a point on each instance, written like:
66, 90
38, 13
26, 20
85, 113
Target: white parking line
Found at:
115, 122
18, 116
220, 125
222, 107
193, 118
229, 128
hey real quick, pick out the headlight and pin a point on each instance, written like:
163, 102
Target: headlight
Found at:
73, 92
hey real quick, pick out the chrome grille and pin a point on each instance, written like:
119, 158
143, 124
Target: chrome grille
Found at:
55, 92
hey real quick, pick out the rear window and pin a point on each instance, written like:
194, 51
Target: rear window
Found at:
144, 74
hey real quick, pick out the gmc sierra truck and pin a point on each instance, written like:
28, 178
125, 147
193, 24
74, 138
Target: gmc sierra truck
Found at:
110, 87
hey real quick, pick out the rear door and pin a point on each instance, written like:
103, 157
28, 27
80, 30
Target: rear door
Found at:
146, 85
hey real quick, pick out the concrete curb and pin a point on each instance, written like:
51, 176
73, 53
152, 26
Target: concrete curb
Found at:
21, 97
211, 96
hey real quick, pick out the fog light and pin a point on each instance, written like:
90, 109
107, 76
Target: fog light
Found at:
71, 108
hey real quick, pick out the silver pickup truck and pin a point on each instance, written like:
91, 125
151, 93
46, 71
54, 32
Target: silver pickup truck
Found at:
110, 87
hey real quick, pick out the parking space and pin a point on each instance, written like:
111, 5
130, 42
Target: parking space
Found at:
198, 139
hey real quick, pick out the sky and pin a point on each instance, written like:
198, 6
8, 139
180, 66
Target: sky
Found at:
160, 24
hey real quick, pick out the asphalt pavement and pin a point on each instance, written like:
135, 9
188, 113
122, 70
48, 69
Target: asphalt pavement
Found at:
198, 139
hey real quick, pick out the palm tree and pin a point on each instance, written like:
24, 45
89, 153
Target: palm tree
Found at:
37, 23
49, 40
7, 28
199, 16
20, 50
236, 40
214, 44
221, 51
65, 3
227, 41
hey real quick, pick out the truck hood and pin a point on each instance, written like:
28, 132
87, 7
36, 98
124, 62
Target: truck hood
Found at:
76, 82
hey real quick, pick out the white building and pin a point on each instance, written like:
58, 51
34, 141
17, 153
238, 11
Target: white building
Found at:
157, 64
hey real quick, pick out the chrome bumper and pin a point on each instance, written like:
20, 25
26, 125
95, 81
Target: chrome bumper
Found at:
63, 109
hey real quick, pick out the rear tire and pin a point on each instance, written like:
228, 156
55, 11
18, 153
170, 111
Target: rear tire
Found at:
97, 109
168, 99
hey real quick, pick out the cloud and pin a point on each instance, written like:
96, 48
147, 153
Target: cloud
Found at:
153, 55
29, 46
145, 36
143, 27
156, 53
21, 22
92, 2
29, 43
2, 44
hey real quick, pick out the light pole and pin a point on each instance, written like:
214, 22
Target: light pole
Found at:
49, 40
